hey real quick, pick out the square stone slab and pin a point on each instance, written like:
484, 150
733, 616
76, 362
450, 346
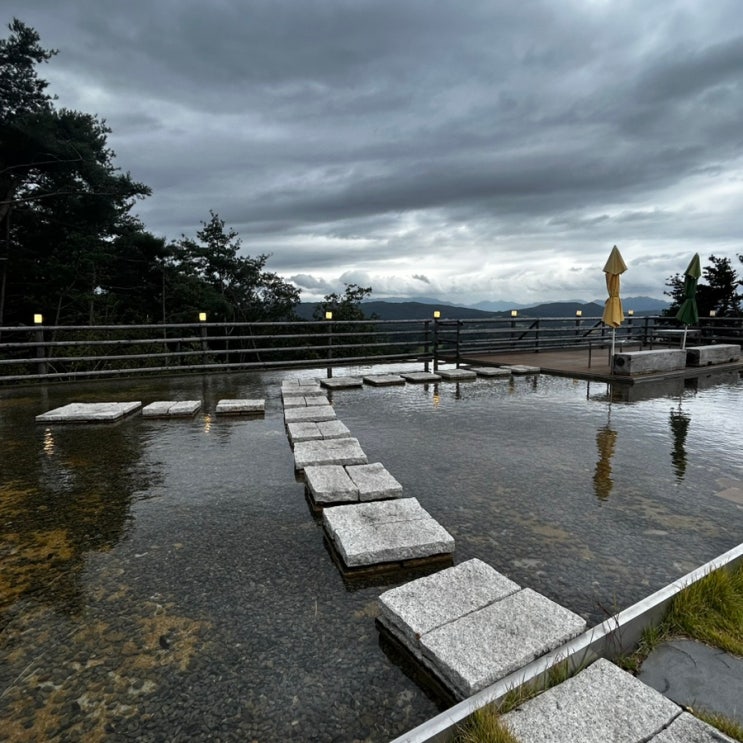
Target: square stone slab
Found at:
171, 409
385, 531
601, 703
303, 391
334, 429
477, 649
382, 380
306, 382
89, 412
523, 369
417, 607
328, 451
303, 431
419, 377
240, 407
491, 371
330, 483
339, 383
457, 375
311, 413
689, 729
374, 482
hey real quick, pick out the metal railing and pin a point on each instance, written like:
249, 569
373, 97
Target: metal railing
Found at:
45, 353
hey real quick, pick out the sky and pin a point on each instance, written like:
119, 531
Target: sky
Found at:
471, 151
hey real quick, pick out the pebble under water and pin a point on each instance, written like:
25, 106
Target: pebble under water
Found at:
166, 580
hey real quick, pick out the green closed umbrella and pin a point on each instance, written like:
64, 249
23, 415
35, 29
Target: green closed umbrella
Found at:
688, 313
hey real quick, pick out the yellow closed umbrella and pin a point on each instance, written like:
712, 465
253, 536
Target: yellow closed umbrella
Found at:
613, 315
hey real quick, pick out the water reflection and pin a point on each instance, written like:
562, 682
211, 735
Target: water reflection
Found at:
606, 440
679, 428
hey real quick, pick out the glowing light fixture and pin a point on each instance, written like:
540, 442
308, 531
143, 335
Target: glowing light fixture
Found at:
514, 313
579, 313
630, 312
38, 319
328, 315
436, 314
712, 313
202, 316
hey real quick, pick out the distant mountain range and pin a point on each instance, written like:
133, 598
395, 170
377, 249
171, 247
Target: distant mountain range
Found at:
422, 308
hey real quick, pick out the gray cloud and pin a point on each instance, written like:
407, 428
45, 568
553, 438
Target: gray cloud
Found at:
487, 150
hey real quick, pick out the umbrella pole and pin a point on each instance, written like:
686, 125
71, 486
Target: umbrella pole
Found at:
613, 337
683, 342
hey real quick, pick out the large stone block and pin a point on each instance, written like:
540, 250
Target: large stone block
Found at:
482, 647
457, 375
491, 371
311, 413
722, 353
330, 483
601, 703
420, 377
649, 362
89, 412
328, 451
374, 482
339, 383
171, 409
420, 606
379, 532
334, 429
688, 729
383, 380
240, 407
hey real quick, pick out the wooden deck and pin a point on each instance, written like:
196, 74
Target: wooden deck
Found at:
578, 364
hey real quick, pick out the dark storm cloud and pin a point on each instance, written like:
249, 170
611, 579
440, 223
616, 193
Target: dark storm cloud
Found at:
378, 138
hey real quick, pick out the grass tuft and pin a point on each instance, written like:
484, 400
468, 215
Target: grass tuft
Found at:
485, 726
725, 725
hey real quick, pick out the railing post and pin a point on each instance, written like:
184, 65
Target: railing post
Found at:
435, 343
41, 367
329, 318
459, 355
426, 344
204, 347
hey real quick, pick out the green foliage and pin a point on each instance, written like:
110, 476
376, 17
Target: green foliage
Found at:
346, 306
719, 294
725, 725
485, 726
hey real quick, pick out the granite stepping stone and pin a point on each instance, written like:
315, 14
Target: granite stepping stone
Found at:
374, 482
383, 380
328, 451
379, 532
314, 431
420, 377
330, 483
304, 382
420, 606
481, 647
457, 375
89, 412
301, 401
339, 383
311, 413
491, 371
171, 409
601, 703
523, 369
240, 407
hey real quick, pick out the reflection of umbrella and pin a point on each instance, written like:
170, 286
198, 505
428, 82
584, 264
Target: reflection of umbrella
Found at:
606, 440
679, 427
689, 312
613, 315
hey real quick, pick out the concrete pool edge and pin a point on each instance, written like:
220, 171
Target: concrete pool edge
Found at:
615, 636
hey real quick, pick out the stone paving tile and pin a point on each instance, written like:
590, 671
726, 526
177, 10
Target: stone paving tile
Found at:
457, 375
339, 383
491, 371
240, 407
415, 608
601, 703
385, 531
420, 377
171, 409
523, 369
481, 647
334, 429
374, 482
89, 412
688, 729
328, 451
383, 380
311, 413
304, 431
330, 483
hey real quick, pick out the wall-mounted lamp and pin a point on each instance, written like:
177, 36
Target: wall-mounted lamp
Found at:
328, 315
712, 313
630, 312
514, 313
579, 313
202, 316
38, 319
436, 314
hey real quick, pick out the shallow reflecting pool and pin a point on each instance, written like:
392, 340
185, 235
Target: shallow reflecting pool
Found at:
165, 580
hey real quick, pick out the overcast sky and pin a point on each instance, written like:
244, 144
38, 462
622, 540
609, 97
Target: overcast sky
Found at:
464, 149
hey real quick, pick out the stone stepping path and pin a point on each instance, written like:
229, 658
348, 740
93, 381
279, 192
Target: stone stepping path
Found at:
89, 412
457, 375
605, 703
382, 532
383, 380
240, 407
491, 371
420, 377
300, 382
333, 484
471, 626
315, 431
522, 369
343, 451
339, 383
171, 409
303, 401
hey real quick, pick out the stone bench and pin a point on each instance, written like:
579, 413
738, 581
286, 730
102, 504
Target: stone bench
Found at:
648, 362
722, 353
